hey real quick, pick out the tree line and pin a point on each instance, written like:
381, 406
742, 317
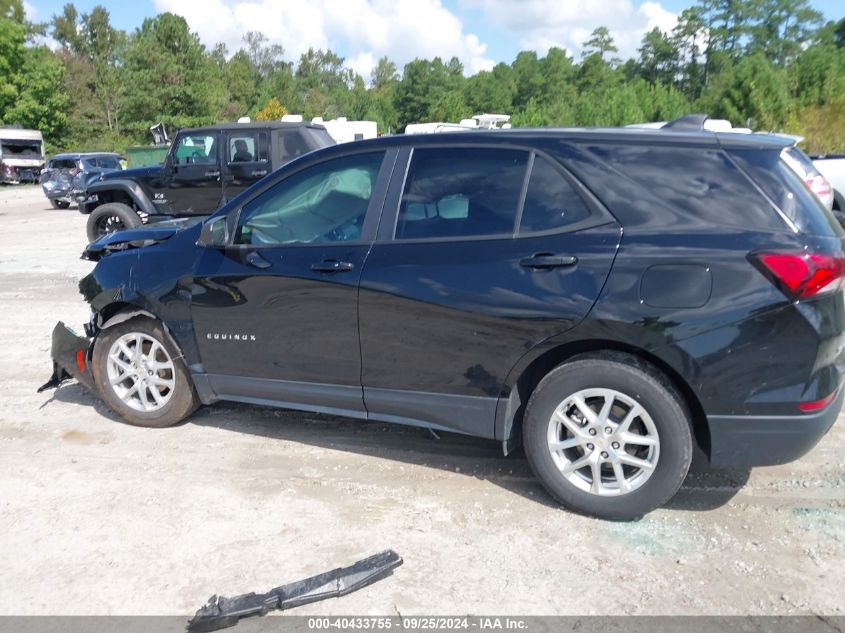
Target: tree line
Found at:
765, 64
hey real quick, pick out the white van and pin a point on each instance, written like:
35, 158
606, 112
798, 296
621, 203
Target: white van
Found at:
21, 155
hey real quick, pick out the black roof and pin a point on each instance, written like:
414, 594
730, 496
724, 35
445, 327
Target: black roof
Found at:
581, 135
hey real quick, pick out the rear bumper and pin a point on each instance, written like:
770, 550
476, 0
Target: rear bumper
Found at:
746, 441
71, 358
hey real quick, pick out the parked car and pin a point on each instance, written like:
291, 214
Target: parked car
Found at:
21, 155
66, 176
832, 168
609, 298
203, 169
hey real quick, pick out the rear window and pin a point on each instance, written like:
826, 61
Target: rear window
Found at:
703, 182
788, 191
63, 163
108, 162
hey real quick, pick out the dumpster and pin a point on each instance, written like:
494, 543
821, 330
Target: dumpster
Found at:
144, 155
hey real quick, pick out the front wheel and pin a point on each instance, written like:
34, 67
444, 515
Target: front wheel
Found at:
608, 436
141, 375
111, 217
58, 203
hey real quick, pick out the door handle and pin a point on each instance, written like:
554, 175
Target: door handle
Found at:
257, 260
258, 173
332, 266
213, 173
546, 261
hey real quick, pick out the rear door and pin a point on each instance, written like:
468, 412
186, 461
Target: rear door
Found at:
246, 159
482, 253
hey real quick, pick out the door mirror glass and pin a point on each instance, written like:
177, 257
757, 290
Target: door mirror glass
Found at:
214, 233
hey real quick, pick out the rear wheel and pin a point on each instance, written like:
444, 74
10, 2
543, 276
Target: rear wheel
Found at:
111, 217
141, 375
59, 204
608, 436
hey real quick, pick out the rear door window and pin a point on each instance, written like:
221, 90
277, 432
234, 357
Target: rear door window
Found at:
248, 147
551, 203
461, 192
786, 189
108, 162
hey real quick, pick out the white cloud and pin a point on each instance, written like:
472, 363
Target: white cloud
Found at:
29, 11
364, 29
541, 24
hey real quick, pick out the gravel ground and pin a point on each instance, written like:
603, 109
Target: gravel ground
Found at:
97, 517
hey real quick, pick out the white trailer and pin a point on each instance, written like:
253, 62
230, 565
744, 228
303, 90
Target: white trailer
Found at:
21, 155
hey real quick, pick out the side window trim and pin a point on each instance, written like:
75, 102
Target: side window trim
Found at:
522, 195
374, 209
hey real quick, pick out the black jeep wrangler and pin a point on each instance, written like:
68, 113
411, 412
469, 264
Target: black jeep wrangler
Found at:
204, 168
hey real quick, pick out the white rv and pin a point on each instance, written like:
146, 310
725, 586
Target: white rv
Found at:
21, 155
478, 122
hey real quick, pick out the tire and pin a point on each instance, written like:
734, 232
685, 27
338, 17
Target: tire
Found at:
658, 433
176, 396
59, 204
111, 217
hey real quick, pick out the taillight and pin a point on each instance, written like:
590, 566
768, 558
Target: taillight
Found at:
802, 276
817, 405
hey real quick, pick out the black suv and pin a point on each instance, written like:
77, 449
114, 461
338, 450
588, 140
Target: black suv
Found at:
609, 298
203, 169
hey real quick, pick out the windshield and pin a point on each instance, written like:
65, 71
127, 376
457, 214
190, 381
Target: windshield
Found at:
20, 149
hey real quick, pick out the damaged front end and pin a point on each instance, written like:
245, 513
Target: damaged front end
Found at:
71, 355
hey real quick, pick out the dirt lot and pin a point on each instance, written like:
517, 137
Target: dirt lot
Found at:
97, 517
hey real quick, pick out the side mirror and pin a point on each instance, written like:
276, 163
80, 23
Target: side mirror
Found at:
215, 233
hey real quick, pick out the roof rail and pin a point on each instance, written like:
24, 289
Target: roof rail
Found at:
689, 122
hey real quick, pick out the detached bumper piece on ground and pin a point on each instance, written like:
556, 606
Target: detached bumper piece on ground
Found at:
221, 612
71, 355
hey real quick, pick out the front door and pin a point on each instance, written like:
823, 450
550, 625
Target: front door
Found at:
276, 313
191, 184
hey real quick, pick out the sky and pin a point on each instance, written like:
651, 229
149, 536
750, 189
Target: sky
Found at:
480, 33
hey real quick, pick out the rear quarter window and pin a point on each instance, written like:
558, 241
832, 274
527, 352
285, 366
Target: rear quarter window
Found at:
705, 183
786, 189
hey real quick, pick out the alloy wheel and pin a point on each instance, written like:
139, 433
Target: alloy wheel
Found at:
603, 442
141, 372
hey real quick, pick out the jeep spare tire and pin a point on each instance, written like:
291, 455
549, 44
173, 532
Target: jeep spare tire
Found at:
111, 217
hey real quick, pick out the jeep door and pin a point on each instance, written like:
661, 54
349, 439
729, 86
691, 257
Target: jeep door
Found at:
483, 253
246, 160
276, 313
191, 183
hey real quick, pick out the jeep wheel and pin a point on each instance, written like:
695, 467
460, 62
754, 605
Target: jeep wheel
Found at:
140, 374
608, 436
57, 203
111, 217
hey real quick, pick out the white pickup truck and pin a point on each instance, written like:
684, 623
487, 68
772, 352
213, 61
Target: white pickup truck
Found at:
833, 169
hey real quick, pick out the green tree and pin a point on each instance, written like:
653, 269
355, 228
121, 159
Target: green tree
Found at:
600, 43
169, 76
658, 57
784, 28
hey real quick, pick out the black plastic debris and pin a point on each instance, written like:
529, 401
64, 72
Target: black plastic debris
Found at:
221, 612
